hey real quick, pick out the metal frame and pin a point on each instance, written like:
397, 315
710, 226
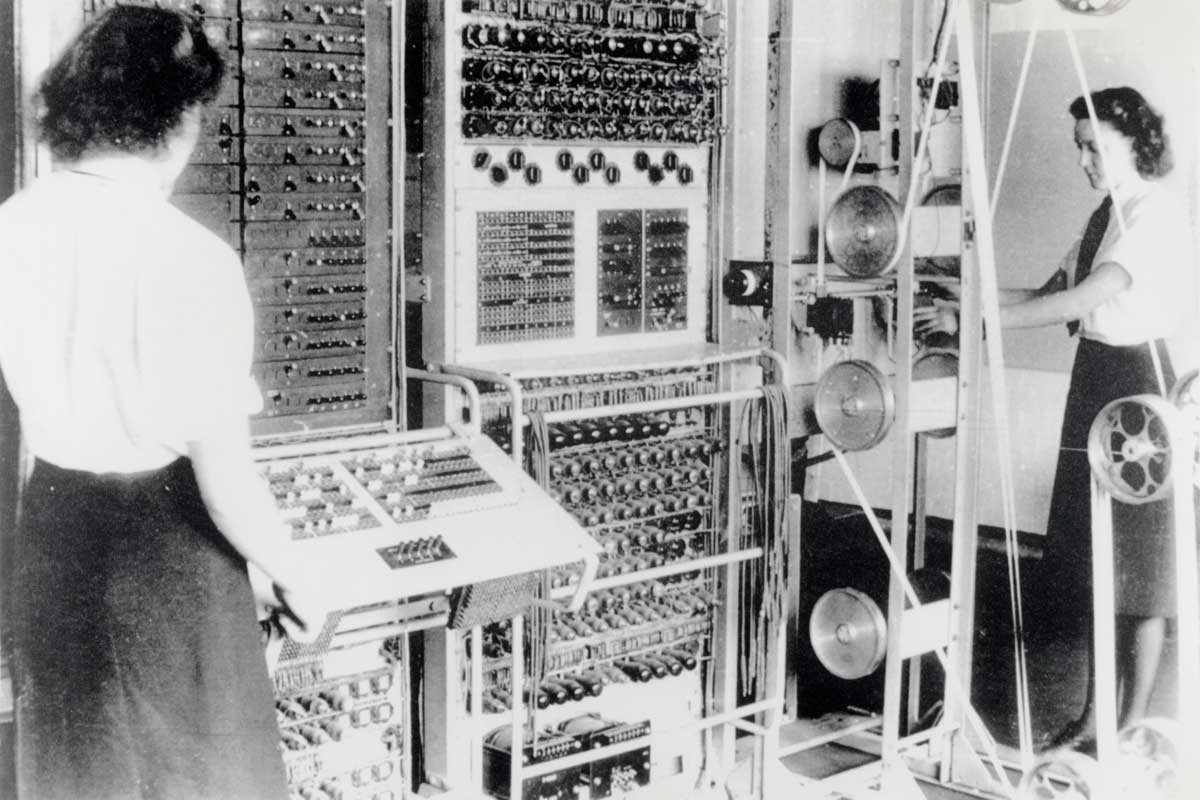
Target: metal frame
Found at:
952, 753
724, 717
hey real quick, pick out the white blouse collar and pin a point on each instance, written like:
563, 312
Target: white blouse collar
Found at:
127, 169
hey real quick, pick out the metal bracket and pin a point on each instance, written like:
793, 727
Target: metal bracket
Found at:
417, 288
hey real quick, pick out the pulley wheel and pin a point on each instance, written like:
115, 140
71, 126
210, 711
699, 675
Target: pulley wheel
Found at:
936, 364
1061, 775
848, 633
835, 142
1098, 8
1185, 395
863, 230
854, 405
1150, 750
1129, 447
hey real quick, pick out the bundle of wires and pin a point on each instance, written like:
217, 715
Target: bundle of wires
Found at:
537, 464
770, 460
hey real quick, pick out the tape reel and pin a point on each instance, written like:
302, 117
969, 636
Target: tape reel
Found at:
1149, 751
862, 231
837, 140
848, 633
1063, 774
854, 405
1130, 447
1099, 8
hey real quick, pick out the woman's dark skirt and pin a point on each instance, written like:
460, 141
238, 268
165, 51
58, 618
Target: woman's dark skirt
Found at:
1143, 549
138, 663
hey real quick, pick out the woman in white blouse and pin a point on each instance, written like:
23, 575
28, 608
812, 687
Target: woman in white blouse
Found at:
125, 337
1123, 289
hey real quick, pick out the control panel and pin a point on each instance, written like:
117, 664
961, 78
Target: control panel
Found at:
342, 702
395, 515
573, 143
292, 170
601, 71
599, 777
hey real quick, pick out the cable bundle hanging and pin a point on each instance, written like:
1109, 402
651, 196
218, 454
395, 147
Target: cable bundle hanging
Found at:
770, 459
537, 464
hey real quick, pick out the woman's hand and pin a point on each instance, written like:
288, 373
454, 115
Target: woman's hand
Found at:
941, 317
302, 615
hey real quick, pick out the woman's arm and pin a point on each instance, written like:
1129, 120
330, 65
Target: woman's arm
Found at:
1031, 308
244, 511
1056, 283
1105, 281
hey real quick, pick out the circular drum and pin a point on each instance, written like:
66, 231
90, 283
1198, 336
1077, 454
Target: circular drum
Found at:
848, 633
1095, 7
1130, 447
1062, 775
863, 230
836, 142
854, 405
1150, 750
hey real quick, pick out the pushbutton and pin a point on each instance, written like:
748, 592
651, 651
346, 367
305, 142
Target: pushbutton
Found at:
581, 173
641, 161
533, 174
565, 160
516, 159
670, 160
596, 160
481, 159
498, 174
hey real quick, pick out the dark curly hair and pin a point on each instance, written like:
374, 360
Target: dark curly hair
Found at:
125, 81
1133, 117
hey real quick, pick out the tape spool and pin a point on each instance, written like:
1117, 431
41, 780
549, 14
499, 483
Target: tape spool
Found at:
1185, 396
854, 405
848, 633
937, 363
1099, 8
948, 194
1063, 774
835, 142
1149, 758
1129, 447
862, 231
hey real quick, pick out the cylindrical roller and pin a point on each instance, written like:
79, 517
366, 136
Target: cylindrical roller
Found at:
1095, 7
848, 633
863, 230
936, 364
837, 141
1062, 775
1131, 445
854, 405
1150, 751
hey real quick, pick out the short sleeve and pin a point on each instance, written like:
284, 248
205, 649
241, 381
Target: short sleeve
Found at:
1153, 239
195, 330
